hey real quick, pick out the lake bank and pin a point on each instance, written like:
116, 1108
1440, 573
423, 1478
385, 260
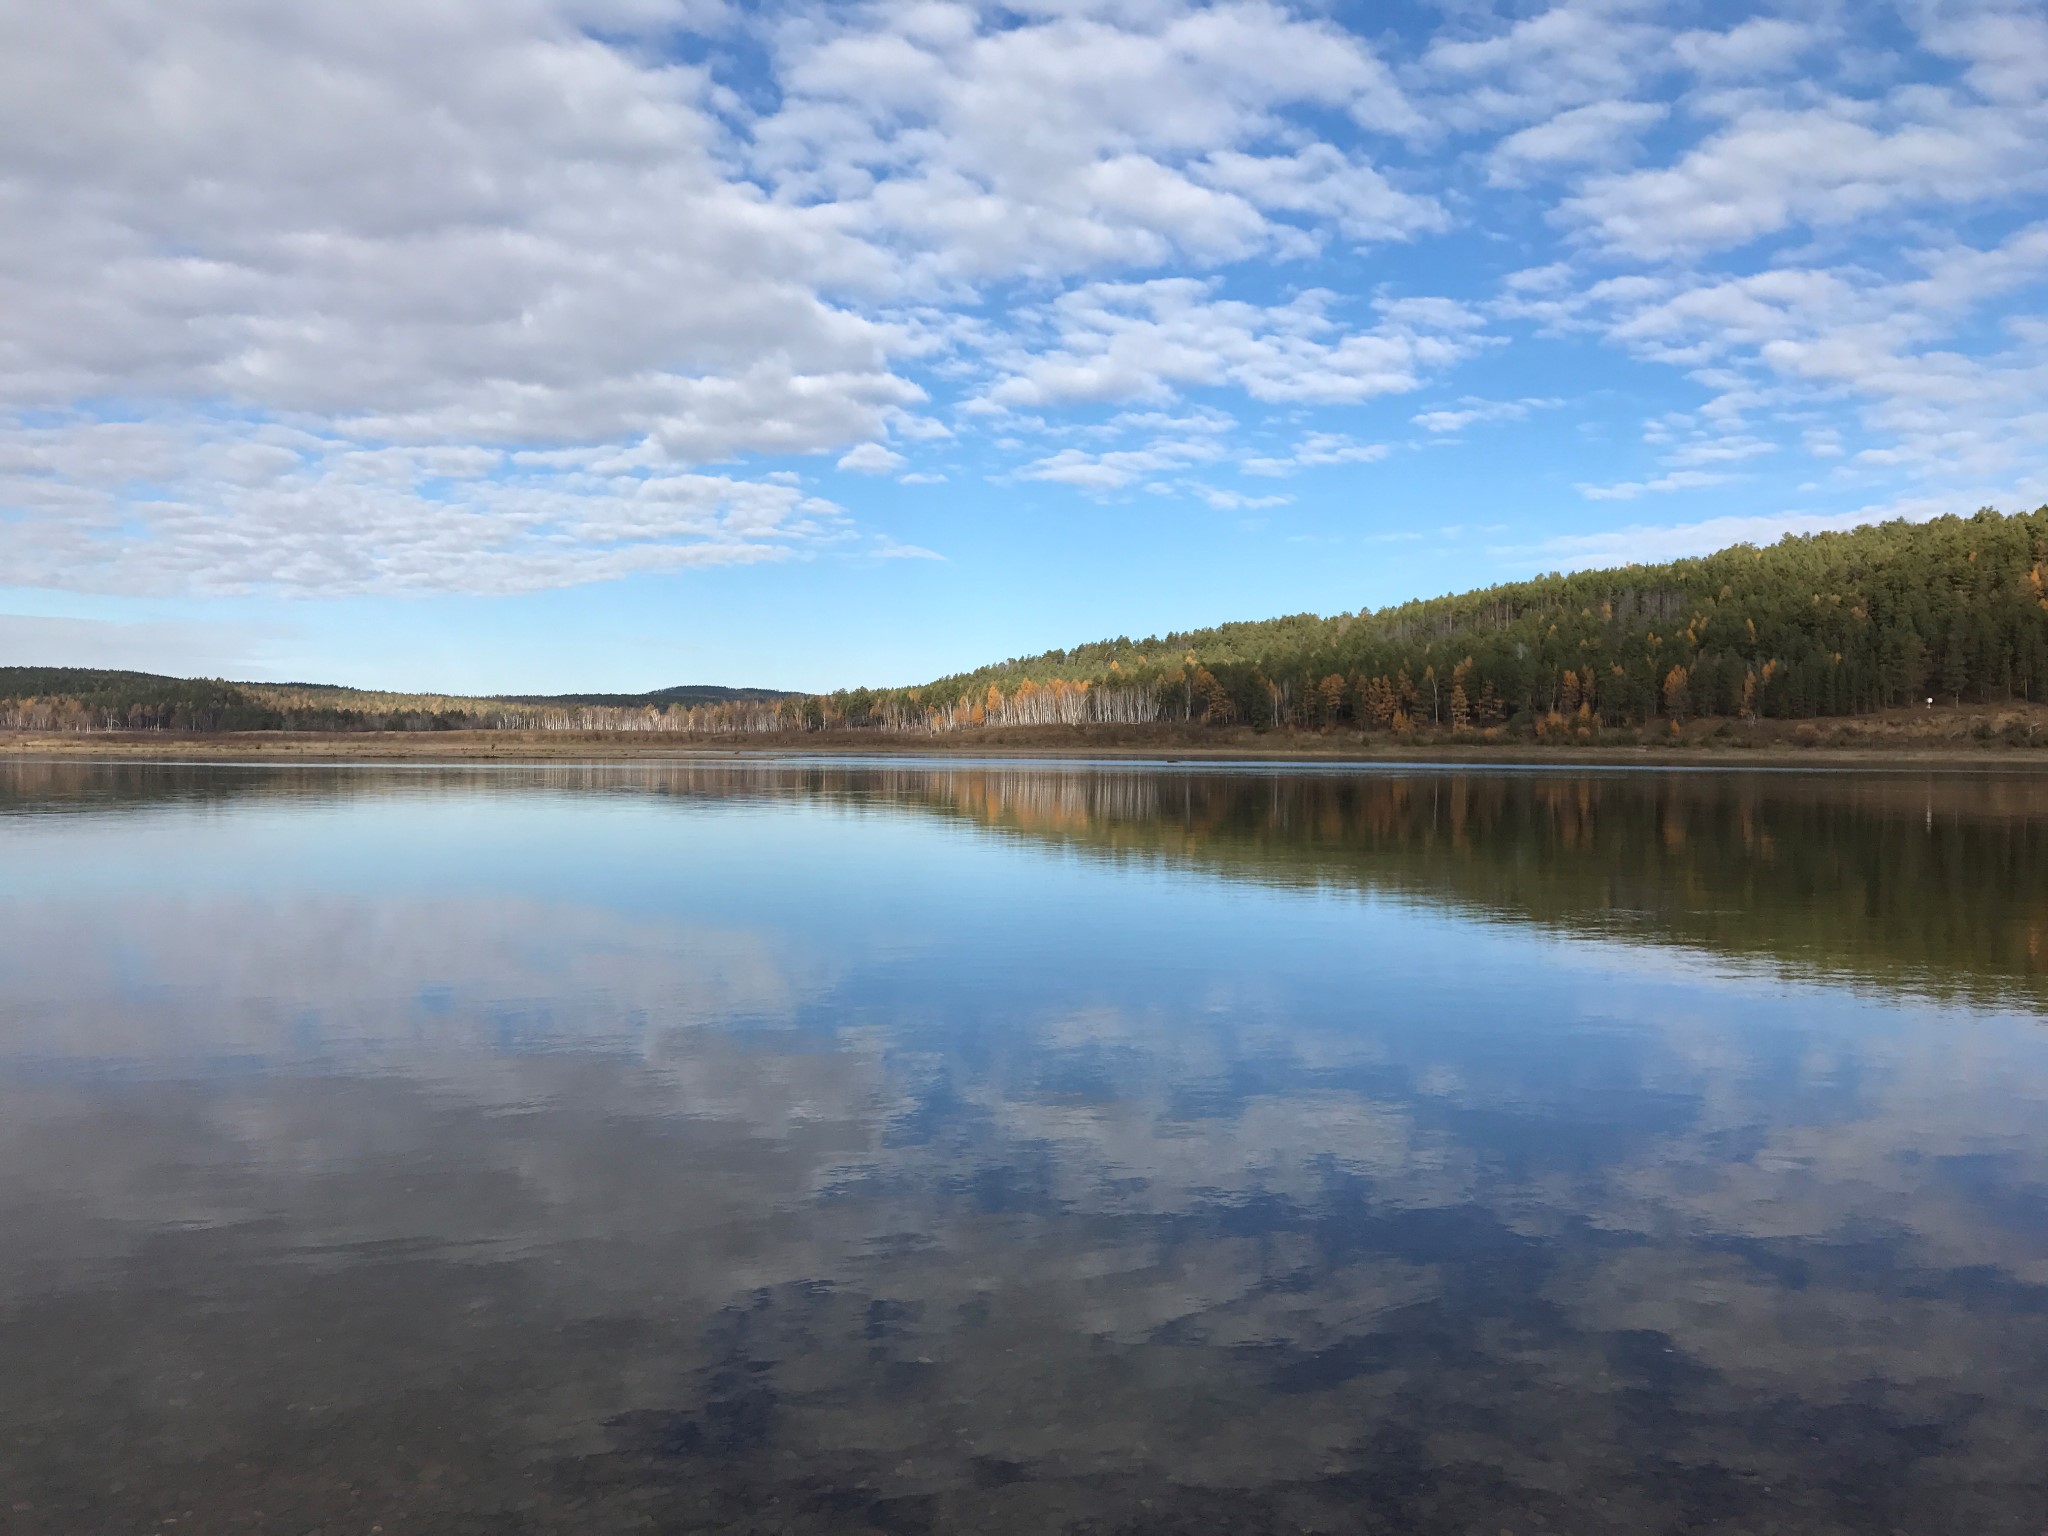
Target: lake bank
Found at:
2013, 737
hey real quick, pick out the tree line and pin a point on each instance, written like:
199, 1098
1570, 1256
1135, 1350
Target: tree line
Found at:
1827, 624
1818, 625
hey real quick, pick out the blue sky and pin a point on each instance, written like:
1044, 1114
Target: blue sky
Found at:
552, 344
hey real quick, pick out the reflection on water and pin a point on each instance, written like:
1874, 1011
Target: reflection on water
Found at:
825, 1148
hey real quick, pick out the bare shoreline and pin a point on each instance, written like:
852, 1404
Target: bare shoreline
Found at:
1043, 744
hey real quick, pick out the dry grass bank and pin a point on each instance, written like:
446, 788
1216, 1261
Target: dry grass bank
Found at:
2007, 736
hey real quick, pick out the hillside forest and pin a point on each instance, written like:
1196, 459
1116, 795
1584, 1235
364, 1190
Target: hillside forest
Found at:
1821, 625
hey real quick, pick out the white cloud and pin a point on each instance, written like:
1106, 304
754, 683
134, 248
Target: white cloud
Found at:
1086, 136
513, 225
2005, 47
1315, 451
1597, 134
463, 221
1810, 337
1629, 490
1202, 419
1113, 471
1226, 500
1824, 166
871, 459
1469, 412
1324, 184
319, 514
1570, 55
430, 232
1763, 45
491, 294
1720, 450
886, 548
1149, 341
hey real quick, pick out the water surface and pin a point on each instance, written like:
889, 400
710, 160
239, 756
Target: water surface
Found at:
982, 1148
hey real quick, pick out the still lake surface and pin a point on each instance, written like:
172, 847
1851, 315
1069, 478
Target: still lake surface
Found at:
952, 1147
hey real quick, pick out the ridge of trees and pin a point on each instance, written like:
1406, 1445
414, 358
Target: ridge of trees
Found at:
1814, 625
1826, 624
685, 693
91, 699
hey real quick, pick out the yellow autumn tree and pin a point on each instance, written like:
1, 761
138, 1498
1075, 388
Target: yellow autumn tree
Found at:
1377, 701
1330, 699
1215, 700
1677, 694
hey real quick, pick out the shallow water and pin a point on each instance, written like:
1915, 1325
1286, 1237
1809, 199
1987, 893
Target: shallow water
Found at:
822, 1148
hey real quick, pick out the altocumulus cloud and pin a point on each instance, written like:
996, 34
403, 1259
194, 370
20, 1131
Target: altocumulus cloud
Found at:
493, 295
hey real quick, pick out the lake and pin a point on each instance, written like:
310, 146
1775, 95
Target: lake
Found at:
923, 1147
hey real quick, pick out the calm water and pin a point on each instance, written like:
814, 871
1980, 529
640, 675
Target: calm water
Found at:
1015, 1149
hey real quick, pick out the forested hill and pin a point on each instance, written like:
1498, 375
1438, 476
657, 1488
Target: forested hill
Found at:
87, 698
1828, 624
687, 693
1825, 624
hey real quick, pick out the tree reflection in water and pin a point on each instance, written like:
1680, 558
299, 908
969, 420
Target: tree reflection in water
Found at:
993, 1148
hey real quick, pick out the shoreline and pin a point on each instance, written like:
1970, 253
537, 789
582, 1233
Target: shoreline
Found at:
1047, 744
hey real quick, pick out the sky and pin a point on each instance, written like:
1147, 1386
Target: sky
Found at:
545, 345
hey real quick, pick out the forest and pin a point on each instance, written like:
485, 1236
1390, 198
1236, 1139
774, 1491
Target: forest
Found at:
1828, 624
1819, 625
82, 699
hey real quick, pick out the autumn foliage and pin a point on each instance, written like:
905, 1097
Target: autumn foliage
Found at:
1830, 624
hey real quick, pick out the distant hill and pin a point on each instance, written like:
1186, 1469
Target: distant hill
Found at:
686, 693
90, 698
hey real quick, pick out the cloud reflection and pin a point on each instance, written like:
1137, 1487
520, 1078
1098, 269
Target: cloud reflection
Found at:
1278, 1207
